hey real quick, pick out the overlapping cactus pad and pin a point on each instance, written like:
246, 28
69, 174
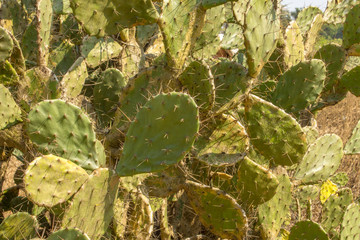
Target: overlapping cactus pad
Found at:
9, 110
162, 133
50, 180
64, 130
217, 211
275, 134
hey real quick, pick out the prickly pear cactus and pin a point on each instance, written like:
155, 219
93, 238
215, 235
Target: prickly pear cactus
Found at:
350, 228
9, 111
69, 233
307, 230
20, 225
163, 132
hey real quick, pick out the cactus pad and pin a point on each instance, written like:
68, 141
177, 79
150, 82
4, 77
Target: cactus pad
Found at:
217, 211
261, 31
20, 225
70, 233
64, 130
307, 230
294, 46
321, 160
99, 50
300, 86
6, 44
101, 18
163, 131
328, 188
274, 212
351, 81
9, 111
351, 28
106, 94
91, 209
226, 145
334, 209
72, 82
50, 180
275, 134
255, 183
305, 18
350, 228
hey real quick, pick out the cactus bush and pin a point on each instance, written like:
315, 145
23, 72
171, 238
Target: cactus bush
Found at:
125, 112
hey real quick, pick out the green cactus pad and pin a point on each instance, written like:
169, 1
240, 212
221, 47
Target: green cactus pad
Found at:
351, 28
10, 112
350, 228
208, 43
261, 31
334, 209
353, 144
340, 179
106, 94
62, 58
163, 131
239, 9
64, 130
8, 76
198, 81
276, 65
305, 19
307, 230
294, 46
255, 183
6, 44
351, 81
230, 79
20, 225
217, 211
226, 145
132, 58
336, 11
300, 86
70, 233
275, 134
91, 209
274, 212
50, 180
72, 82
180, 26
99, 50
101, 18
311, 134
306, 193
233, 37
312, 35
321, 160
334, 58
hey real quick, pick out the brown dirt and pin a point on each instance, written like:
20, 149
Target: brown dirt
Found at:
341, 120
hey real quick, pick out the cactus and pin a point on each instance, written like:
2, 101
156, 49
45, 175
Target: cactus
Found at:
6, 44
63, 129
349, 227
275, 134
307, 230
328, 188
164, 140
294, 46
9, 111
217, 211
91, 209
73, 80
321, 160
350, 81
70, 233
300, 86
351, 36
352, 146
62, 58
50, 180
20, 225
261, 31
254, 183
305, 18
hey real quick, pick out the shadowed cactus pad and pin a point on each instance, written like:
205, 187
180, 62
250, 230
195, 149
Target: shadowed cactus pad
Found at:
70, 233
217, 211
64, 130
6, 44
321, 160
274, 133
101, 18
50, 180
307, 230
162, 133
255, 183
20, 225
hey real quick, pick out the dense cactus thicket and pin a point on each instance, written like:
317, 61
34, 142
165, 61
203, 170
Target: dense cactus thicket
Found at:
174, 119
